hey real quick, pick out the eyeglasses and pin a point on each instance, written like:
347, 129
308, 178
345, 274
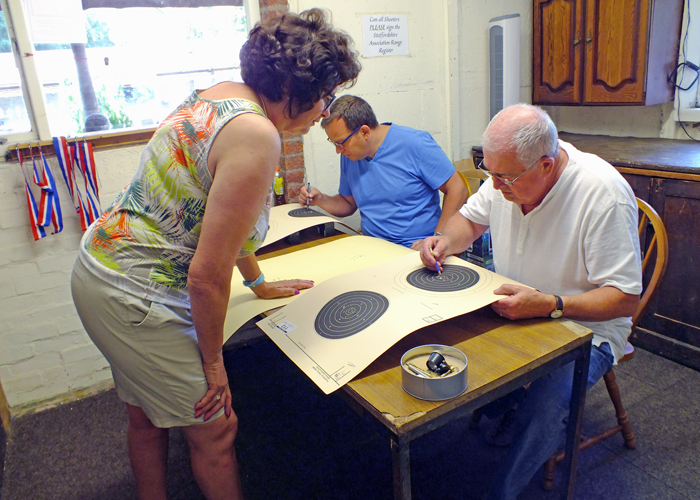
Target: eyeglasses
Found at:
501, 178
341, 145
327, 101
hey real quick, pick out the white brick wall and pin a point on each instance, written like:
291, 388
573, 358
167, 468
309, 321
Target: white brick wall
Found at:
44, 350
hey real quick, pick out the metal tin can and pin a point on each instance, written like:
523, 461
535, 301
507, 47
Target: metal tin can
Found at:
417, 380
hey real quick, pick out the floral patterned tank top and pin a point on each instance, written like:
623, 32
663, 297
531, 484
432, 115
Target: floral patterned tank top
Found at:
150, 233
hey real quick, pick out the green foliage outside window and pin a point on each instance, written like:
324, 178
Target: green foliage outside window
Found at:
111, 105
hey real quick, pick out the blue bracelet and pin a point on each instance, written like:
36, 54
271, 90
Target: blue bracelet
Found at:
256, 282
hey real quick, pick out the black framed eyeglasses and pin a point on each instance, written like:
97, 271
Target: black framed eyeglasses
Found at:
327, 101
341, 145
500, 177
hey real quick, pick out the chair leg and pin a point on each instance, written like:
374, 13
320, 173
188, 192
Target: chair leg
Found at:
623, 426
550, 467
622, 420
476, 418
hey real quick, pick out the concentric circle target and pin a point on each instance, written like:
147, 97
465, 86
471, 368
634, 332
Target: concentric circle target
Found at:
350, 313
453, 279
304, 212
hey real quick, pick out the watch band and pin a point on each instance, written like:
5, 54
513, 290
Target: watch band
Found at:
559, 309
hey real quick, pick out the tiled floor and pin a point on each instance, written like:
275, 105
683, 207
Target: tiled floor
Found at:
296, 443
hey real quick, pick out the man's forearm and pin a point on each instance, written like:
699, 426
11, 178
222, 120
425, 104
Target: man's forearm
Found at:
461, 233
600, 304
335, 205
450, 206
455, 195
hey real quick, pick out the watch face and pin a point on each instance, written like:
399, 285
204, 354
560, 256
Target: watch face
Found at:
556, 314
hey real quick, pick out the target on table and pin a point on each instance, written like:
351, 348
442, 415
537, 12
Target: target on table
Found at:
350, 313
452, 279
304, 212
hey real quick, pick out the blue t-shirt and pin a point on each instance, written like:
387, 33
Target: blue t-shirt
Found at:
397, 190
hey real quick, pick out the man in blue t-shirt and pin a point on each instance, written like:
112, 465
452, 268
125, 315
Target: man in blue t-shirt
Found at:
391, 173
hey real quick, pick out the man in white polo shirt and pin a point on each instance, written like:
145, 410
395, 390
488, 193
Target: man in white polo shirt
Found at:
563, 222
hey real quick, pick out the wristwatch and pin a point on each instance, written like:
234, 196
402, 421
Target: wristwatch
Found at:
559, 309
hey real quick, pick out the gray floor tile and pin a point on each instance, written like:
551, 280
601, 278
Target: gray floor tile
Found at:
654, 370
668, 436
620, 481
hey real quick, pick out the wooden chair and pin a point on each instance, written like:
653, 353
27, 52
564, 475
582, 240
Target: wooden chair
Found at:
649, 221
465, 180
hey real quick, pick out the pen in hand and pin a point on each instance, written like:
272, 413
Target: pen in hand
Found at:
437, 266
308, 195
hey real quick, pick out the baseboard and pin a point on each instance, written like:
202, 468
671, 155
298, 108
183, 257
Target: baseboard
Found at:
3, 449
61, 399
4, 411
4, 432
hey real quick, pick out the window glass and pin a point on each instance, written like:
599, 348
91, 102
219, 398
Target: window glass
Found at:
14, 117
138, 64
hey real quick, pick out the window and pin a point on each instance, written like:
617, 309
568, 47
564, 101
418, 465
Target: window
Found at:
688, 91
137, 63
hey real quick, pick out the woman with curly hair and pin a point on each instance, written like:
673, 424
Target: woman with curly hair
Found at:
152, 280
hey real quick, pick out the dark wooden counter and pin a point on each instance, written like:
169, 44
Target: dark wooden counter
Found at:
660, 155
665, 173
664, 156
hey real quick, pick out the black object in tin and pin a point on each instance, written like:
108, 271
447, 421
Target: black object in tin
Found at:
437, 364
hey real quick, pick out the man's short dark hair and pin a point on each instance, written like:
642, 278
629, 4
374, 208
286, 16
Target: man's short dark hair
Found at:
354, 110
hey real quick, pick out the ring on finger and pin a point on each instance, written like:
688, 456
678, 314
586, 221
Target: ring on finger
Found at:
218, 397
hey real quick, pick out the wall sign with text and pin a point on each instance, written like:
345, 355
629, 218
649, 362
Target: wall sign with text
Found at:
384, 35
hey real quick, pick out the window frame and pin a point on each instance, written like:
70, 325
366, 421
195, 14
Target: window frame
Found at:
687, 103
35, 101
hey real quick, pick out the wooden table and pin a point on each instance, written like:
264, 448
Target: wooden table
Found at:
502, 356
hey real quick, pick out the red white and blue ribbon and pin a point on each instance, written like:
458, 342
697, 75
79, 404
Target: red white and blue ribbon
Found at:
89, 172
49, 187
37, 230
46, 201
65, 163
87, 208
77, 160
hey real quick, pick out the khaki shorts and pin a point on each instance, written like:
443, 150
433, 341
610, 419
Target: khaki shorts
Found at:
152, 349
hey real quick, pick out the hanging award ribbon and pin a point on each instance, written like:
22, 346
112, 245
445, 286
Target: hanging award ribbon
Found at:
49, 195
46, 200
89, 171
65, 163
87, 207
37, 230
77, 160
65, 155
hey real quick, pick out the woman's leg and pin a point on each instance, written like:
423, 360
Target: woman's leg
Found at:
214, 457
148, 452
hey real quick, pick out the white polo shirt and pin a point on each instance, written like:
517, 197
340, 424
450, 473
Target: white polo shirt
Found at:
582, 236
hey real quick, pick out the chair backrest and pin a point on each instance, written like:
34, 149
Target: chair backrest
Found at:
658, 246
465, 180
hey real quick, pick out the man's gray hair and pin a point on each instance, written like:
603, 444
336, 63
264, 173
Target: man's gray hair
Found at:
532, 135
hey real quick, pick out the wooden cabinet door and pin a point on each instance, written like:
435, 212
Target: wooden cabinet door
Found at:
604, 51
615, 51
557, 51
640, 184
671, 323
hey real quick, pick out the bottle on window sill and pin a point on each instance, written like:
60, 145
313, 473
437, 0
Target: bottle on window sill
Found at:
278, 187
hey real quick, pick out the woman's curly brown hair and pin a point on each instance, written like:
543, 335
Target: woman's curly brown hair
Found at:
300, 57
